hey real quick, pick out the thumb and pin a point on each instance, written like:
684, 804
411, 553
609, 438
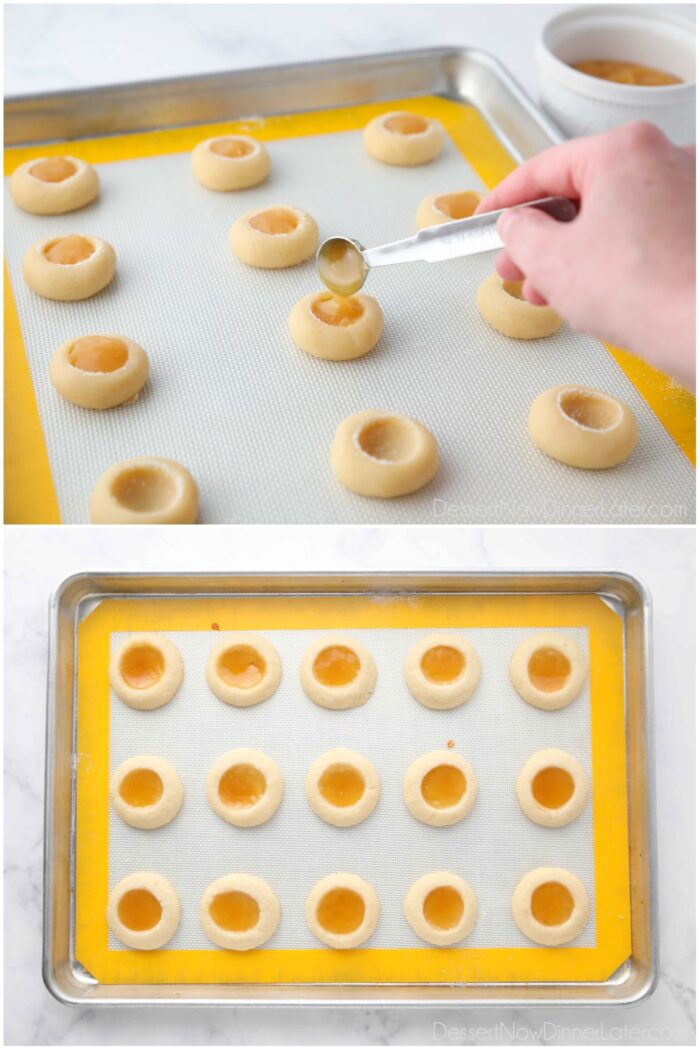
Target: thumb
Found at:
531, 237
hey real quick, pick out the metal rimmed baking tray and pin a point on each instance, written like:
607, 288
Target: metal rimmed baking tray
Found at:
435, 340
78, 595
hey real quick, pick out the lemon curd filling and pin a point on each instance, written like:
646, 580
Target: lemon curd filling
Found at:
67, 251
337, 310
457, 205
590, 411
443, 907
341, 266
274, 221
406, 124
443, 786
336, 666
242, 785
235, 911
139, 910
626, 73
442, 664
142, 666
552, 787
548, 670
97, 353
141, 787
230, 147
386, 439
551, 904
53, 169
242, 666
341, 784
340, 910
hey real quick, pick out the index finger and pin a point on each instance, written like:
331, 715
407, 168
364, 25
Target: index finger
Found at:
557, 172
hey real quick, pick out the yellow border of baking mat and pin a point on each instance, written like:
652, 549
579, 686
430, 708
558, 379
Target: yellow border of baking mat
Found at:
321, 966
29, 498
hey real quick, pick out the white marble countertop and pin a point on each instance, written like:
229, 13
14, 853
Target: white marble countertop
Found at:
37, 559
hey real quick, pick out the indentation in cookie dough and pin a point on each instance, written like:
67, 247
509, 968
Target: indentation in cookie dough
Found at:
501, 304
67, 251
242, 785
459, 205
139, 910
97, 353
443, 907
144, 490
582, 427
337, 310
336, 665
406, 124
274, 221
403, 138
389, 440
151, 491
53, 169
443, 786
235, 911
231, 147
341, 910
590, 410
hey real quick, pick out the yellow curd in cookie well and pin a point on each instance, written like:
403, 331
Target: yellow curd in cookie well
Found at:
548, 669
235, 911
442, 664
551, 904
98, 353
242, 666
337, 310
457, 205
139, 910
406, 124
341, 784
336, 665
443, 786
443, 907
274, 221
626, 73
552, 787
53, 169
340, 910
67, 251
141, 787
141, 666
242, 785
231, 147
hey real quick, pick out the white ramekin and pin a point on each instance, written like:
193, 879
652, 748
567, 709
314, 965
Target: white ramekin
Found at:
582, 105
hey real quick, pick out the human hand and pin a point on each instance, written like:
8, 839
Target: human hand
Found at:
624, 269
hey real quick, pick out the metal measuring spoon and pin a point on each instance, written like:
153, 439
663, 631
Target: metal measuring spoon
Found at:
343, 264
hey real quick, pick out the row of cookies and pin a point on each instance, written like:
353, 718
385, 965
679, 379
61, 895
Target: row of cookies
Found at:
245, 787
240, 912
337, 671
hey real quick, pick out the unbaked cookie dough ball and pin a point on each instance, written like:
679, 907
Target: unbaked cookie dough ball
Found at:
338, 672
243, 669
274, 237
501, 305
342, 910
404, 139
548, 670
146, 671
441, 908
54, 185
552, 788
230, 162
439, 788
583, 427
446, 207
442, 671
550, 906
143, 911
146, 791
239, 912
334, 327
145, 491
342, 787
69, 268
383, 454
245, 787
99, 371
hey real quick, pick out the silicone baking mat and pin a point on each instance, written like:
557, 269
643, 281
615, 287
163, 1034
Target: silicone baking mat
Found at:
249, 414
492, 848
